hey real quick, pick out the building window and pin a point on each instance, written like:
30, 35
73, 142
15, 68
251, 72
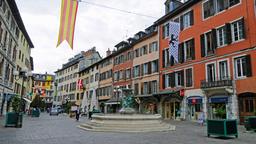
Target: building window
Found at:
211, 74
121, 75
237, 30
154, 86
145, 88
137, 71
91, 78
208, 43
167, 80
212, 7
189, 49
208, 8
166, 58
221, 37
178, 79
165, 30
154, 66
249, 106
186, 20
223, 70
153, 47
145, 68
243, 67
189, 78
128, 73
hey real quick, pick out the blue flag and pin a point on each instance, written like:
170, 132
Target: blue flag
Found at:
174, 40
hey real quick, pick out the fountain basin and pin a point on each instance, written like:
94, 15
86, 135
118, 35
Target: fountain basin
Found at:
126, 123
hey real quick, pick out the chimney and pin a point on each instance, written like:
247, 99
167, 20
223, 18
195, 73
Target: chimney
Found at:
108, 52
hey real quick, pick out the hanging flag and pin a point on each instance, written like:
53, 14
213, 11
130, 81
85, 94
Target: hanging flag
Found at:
67, 21
80, 84
174, 40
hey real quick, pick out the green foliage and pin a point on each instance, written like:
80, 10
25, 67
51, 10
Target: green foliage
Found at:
221, 112
16, 103
38, 103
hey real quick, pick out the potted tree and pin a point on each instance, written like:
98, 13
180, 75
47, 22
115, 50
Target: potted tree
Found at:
220, 112
13, 118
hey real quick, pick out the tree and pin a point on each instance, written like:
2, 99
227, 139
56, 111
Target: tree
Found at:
16, 103
38, 102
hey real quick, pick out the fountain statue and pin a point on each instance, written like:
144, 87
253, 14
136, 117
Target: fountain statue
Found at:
127, 120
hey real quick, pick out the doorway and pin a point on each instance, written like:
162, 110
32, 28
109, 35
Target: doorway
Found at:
172, 110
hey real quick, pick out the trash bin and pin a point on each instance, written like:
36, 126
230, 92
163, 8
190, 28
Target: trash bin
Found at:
223, 128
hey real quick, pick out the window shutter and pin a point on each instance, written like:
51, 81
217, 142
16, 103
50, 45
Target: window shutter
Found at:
163, 81
157, 65
163, 31
248, 66
172, 78
172, 61
181, 52
141, 69
193, 49
214, 39
149, 67
163, 59
191, 17
182, 77
141, 88
149, 88
181, 23
243, 28
202, 46
228, 33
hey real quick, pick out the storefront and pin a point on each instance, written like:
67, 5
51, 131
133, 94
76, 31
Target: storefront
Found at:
218, 107
247, 105
194, 107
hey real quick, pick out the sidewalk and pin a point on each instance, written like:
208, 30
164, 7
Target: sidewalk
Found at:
2, 121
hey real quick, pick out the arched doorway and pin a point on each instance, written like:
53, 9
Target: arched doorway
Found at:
247, 105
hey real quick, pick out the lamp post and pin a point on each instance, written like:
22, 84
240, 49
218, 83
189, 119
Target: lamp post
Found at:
24, 74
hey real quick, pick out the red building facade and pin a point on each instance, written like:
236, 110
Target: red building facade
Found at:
216, 67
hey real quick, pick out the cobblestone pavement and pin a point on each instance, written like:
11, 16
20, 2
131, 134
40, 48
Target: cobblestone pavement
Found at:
62, 130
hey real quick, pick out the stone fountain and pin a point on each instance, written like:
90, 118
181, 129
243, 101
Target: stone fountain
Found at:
127, 120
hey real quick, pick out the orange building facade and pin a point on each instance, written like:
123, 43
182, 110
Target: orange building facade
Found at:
216, 70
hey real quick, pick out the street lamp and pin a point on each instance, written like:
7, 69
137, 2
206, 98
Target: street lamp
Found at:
24, 74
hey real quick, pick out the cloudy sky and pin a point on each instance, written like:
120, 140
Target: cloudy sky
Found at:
95, 26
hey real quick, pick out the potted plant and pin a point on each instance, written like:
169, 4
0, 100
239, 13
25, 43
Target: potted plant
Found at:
220, 112
12, 118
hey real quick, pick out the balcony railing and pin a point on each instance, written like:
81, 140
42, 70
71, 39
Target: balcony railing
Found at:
219, 82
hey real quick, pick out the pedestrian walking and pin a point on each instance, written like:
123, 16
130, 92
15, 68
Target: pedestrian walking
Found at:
77, 114
201, 118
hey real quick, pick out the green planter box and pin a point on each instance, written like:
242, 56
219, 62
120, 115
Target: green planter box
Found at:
223, 128
250, 123
35, 113
13, 119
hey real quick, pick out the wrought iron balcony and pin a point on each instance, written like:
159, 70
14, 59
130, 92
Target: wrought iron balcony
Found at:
218, 82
